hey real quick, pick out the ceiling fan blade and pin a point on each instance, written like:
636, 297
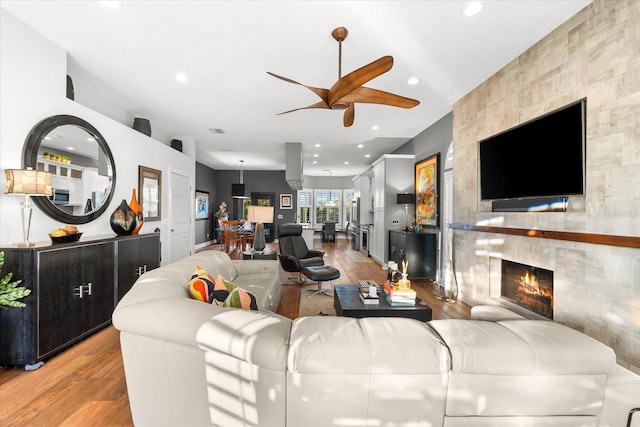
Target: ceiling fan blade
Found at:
374, 96
357, 78
349, 115
322, 93
319, 104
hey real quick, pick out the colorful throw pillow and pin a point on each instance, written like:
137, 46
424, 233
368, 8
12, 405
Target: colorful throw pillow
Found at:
236, 297
202, 285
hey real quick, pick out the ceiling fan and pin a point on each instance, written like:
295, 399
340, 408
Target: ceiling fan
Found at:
348, 90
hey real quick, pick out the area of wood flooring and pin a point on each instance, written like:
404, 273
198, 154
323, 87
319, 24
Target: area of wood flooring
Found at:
85, 384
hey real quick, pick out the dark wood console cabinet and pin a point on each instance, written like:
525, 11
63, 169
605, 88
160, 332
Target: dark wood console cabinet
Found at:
74, 289
419, 250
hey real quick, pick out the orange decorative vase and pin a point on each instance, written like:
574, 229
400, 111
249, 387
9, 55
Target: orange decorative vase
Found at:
135, 207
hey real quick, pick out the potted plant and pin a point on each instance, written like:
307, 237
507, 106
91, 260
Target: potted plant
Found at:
10, 292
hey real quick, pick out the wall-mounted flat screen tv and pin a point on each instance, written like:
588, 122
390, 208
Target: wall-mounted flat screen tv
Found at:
542, 157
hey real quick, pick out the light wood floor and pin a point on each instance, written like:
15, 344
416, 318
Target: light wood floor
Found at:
85, 385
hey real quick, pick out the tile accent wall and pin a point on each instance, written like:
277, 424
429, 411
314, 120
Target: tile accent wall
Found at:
596, 54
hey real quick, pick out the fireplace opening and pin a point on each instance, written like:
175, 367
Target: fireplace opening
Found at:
528, 286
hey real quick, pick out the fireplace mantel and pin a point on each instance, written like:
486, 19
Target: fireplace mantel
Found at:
598, 239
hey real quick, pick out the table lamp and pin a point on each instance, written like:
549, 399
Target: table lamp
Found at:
259, 215
28, 183
406, 199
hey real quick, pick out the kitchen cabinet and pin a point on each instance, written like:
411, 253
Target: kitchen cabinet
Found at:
74, 289
419, 250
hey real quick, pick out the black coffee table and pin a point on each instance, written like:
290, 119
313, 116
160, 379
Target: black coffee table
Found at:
346, 300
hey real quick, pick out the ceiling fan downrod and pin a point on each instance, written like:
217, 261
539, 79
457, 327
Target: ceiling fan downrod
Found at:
340, 34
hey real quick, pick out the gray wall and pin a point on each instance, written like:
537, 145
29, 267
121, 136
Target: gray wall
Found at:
205, 181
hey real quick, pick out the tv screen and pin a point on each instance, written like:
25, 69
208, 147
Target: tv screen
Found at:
543, 157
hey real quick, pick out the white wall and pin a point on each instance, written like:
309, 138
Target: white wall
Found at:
33, 87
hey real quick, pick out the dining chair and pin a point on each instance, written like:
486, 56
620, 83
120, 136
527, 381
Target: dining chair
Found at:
231, 236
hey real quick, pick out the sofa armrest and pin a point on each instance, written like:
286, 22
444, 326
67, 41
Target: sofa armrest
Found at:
493, 313
170, 319
622, 395
256, 337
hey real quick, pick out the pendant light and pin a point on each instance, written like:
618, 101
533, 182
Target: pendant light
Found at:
330, 202
239, 191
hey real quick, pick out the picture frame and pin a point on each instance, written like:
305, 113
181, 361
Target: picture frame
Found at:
427, 189
286, 201
202, 205
150, 193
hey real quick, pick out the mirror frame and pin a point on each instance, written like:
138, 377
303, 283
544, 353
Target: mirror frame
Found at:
30, 159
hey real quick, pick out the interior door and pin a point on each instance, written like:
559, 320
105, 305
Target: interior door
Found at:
265, 199
182, 211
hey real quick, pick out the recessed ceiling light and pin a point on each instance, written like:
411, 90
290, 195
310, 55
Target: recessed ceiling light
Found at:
346, 163
360, 145
375, 127
413, 81
112, 4
317, 145
181, 77
315, 162
367, 155
316, 155
472, 8
70, 148
90, 139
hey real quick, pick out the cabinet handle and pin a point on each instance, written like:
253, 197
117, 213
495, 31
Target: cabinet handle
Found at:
144, 268
79, 291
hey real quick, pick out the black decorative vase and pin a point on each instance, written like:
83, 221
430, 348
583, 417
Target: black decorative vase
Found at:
142, 125
123, 219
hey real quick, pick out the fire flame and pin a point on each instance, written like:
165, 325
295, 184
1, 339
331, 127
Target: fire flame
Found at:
530, 285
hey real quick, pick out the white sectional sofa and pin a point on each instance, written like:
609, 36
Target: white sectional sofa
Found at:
158, 323
191, 364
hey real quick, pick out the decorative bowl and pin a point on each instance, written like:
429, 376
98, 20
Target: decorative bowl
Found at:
65, 239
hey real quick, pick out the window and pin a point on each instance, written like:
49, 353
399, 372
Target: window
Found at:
348, 198
315, 207
304, 206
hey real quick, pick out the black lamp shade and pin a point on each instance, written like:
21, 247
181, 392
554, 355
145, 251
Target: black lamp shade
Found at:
239, 191
406, 199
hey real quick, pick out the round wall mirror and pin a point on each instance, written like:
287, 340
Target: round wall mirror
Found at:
83, 172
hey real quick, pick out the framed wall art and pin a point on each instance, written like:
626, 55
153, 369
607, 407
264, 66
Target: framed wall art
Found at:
286, 201
202, 205
150, 192
427, 191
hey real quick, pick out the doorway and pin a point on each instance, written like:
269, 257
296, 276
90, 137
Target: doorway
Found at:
265, 199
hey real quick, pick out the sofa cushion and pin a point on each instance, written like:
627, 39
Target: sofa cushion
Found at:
372, 371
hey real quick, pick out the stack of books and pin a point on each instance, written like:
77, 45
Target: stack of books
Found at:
365, 297
399, 296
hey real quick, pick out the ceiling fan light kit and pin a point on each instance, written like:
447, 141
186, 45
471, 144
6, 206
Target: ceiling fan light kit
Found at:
348, 90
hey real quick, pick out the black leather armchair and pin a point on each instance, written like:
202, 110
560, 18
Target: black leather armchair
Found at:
294, 254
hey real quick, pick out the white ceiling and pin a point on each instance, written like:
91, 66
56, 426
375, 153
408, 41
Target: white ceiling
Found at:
132, 54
